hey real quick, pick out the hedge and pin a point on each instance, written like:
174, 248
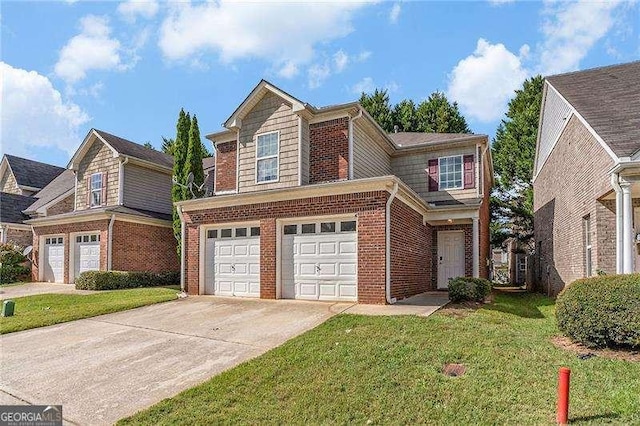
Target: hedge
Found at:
12, 263
115, 280
467, 288
602, 311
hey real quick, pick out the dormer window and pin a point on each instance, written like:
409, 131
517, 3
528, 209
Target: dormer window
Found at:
267, 153
96, 189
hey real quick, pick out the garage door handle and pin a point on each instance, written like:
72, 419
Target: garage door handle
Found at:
318, 269
233, 268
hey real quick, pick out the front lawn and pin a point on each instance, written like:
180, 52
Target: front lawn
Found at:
48, 309
388, 370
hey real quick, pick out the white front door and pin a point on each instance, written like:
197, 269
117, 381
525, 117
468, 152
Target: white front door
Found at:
53, 264
232, 258
86, 254
320, 261
450, 256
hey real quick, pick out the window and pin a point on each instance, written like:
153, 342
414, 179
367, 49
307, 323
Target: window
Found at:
349, 226
255, 231
309, 228
96, 189
586, 227
290, 229
212, 233
267, 157
78, 239
241, 232
328, 227
450, 169
225, 233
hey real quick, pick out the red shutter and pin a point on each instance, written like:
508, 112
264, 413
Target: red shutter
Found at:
432, 171
469, 172
104, 188
89, 191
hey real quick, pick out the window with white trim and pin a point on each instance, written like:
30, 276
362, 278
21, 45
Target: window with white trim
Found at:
96, 189
450, 172
267, 147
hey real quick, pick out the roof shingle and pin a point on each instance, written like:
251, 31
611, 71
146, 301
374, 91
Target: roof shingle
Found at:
32, 173
12, 205
63, 183
132, 149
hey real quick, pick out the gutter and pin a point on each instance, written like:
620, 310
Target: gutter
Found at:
619, 225
110, 243
359, 115
387, 215
182, 241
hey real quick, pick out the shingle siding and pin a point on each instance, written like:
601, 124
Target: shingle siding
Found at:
98, 159
9, 184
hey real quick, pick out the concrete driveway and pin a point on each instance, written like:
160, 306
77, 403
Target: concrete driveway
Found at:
29, 289
104, 368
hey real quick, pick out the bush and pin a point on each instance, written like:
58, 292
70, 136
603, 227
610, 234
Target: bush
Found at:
12, 260
601, 311
467, 288
115, 280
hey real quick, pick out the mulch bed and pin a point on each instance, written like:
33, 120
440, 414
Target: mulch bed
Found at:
622, 354
464, 309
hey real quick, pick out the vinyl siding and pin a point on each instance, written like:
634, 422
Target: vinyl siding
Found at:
147, 189
554, 115
270, 114
369, 158
98, 159
411, 169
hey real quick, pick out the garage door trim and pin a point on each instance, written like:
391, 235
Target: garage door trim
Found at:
42, 250
72, 250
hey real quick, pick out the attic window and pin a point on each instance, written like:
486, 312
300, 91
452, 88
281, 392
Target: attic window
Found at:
267, 147
96, 189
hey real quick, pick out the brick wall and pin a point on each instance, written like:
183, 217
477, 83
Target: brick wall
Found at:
64, 230
370, 209
485, 233
19, 237
64, 206
226, 167
468, 247
141, 247
566, 190
329, 151
411, 264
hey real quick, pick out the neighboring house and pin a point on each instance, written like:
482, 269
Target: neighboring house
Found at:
208, 166
111, 210
509, 263
20, 183
587, 176
322, 204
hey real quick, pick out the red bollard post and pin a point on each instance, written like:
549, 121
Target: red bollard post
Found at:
563, 396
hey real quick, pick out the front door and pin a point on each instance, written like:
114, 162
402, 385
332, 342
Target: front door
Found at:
450, 256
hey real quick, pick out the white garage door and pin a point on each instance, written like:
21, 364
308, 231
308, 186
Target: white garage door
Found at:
233, 262
86, 254
320, 261
53, 260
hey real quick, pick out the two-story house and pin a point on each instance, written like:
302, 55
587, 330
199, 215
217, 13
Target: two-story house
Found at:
21, 182
110, 210
322, 204
586, 181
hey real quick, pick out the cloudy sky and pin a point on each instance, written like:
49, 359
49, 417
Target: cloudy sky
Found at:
129, 67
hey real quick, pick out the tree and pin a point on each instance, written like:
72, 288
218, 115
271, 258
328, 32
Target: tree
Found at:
180, 147
513, 150
147, 144
377, 105
438, 115
167, 145
194, 158
405, 116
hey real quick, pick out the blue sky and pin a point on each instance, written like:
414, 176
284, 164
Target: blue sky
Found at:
129, 67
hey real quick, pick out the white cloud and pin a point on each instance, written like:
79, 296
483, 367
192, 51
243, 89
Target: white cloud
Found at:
500, 2
283, 34
92, 49
34, 114
483, 82
288, 70
394, 13
318, 74
570, 30
365, 85
341, 60
363, 56
131, 9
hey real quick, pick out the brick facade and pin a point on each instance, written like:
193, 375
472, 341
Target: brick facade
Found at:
142, 247
485, 234
64, 206
329, 151
226, 166
567, 189
19, 237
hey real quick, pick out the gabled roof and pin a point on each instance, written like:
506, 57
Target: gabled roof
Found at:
29, 173
122, 147
608, 98
208, 163
407, 139
12, 205
63, 184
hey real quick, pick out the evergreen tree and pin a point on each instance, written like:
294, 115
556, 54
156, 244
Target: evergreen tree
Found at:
180, 147
438, 115
404, 116
194, 158
148, 145
167, 145
377, 105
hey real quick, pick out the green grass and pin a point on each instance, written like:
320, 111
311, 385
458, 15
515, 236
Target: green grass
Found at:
48, 309
387, 370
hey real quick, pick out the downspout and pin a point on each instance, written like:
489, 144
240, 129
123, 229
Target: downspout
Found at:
110, 243
359, 115
182, 241
387, 217
619, 213
121, 181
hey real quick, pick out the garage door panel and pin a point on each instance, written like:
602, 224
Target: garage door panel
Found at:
225, 250
254, 249
348, 247
327, 269
308, 290
235, 266
348, 269
240, 250
348, 290
306, 269
327, 248
308, 248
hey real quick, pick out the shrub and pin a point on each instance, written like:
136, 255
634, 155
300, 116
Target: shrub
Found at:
467, 288
115, 280
601, 311
12, 263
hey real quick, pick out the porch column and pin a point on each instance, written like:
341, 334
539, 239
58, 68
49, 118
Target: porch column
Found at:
475, 248
619, 232
627, 228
